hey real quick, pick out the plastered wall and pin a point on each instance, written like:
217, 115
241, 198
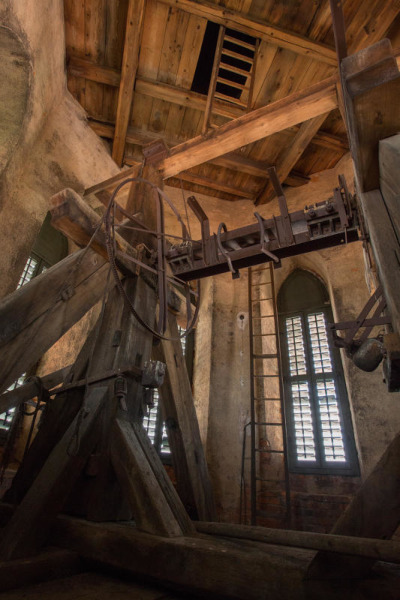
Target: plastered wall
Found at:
47, 144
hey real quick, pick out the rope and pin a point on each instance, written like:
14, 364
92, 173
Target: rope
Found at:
110, 237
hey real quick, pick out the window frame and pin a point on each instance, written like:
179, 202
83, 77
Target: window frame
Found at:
320, 466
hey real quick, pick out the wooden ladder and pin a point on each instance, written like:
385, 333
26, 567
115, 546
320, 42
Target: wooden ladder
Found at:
269, 487
228, 82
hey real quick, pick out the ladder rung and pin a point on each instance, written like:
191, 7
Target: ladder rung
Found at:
234, 70
229, 99
234, 40
269, 424
237, 55
239, 86
265, 356
265, 451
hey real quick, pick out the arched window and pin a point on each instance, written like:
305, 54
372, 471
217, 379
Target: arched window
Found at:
50, 247
319, 427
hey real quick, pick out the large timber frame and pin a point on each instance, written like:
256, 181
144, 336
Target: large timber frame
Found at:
91, 445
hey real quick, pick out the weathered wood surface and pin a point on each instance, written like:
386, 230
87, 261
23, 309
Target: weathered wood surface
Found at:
385, 550
213, 80
112, 182
117, 342
374, 512
35, 316
386, 249
371, 88
389, 171
29, 526
193, 481
210, 566
31, 389
50, 564
71, 215
277, 116
257, 29
130, 61
155, 504
288, 159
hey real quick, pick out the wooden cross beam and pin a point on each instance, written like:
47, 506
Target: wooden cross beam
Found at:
313, 102
130, 61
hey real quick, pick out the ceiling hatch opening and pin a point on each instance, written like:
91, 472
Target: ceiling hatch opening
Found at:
235, 66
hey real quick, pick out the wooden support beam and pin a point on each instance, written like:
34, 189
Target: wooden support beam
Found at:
216, 185
81, 67
386, 248
48, 565
229, 565
71, 215
35, 316
236, 162
339, 544
190, 466
155, 504
31, 389
277, 116
257, 29
142, 137
288, 158
389, 172
374, 512
29, 526
112, 182
130, 61
371, 88
238, 569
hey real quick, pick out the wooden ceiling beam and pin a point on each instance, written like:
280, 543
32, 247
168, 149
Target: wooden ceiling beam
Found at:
263, 122
216, 185
130, 61
258, 29
233, 161
256, 168
79, 67
289, 157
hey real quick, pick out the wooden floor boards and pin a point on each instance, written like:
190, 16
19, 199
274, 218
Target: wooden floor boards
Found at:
89, 586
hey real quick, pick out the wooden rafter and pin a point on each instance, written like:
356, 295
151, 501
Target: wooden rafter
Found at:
78, 67
236, 162
290, 157
277, 116
130, 61
257, 29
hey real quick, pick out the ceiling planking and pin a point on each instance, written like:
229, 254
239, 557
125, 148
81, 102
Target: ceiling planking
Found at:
163, 104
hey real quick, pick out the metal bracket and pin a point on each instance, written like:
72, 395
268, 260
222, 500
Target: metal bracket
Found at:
155, 152
225, 254
264, 239
349, 341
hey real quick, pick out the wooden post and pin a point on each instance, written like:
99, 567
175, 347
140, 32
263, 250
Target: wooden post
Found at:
35, 316
374, 512
188, 457
154, 501
29, 525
